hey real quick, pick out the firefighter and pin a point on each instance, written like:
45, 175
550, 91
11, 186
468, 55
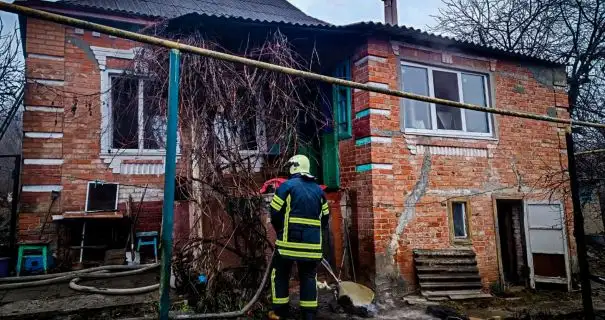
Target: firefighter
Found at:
299, 215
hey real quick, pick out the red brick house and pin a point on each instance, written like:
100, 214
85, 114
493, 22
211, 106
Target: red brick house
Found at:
412, 178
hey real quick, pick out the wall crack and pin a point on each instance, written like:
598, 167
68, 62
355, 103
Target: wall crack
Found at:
412, 199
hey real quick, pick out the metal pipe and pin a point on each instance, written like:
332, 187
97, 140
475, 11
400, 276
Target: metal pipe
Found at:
82, 242
169, 182
578, 219
9, 7
581, 153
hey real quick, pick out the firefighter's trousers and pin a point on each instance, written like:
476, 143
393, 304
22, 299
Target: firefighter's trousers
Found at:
280, 280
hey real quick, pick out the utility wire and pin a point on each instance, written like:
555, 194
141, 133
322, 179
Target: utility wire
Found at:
44, 15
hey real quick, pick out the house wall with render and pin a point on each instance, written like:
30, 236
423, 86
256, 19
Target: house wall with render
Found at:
402, 181
62, 125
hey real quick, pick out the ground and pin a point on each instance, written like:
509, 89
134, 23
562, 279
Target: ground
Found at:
541, 304
59, 302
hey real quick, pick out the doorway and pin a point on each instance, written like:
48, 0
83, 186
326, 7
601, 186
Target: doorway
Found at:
513, 249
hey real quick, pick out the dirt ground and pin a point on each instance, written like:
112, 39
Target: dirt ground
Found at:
554, 303
59, 302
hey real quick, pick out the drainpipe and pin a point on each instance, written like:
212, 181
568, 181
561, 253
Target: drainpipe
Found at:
390, 12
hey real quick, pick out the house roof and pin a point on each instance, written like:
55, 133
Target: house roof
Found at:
405, 33
279, 12
428, 38
262, 10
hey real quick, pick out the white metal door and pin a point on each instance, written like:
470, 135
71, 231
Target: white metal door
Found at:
547, 251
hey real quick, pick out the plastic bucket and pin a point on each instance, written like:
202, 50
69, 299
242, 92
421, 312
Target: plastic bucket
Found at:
4, 263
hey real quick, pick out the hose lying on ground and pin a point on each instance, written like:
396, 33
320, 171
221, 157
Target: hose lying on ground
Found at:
231, 314
102, 272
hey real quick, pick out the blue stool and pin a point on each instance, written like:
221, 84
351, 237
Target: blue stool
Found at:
147, 239
30, 252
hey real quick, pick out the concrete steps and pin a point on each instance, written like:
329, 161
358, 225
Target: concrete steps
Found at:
459, 276
448, 274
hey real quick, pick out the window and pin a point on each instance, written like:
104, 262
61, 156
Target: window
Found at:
236, 136
137, 122
459, 213
445, 84
101, 197
342, 102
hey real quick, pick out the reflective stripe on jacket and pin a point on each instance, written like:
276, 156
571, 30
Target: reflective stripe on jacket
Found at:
299, 211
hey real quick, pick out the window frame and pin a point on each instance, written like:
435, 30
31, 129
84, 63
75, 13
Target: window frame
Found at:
343, 71
86, 204
107, 148
433, 108
261, 139
140, 114
467, 225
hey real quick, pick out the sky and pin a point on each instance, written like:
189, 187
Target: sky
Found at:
412, 13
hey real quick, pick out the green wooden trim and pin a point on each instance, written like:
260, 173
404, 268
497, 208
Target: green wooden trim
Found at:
343, 71
363, 141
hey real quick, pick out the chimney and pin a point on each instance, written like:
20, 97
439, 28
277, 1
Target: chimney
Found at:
390, 12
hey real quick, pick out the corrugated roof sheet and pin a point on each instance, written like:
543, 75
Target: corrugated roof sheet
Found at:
417, 34
282, 12
407, 33
263, 10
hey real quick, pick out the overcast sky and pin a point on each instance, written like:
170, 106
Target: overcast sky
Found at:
413, 13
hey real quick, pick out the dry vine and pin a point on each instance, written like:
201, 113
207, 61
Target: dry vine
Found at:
238, 125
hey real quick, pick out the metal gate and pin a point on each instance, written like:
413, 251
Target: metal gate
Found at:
547, 250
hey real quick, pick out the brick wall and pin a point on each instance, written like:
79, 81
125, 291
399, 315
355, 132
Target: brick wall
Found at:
394, 212
62, 126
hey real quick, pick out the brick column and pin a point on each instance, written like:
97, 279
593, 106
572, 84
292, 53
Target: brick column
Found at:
42, 126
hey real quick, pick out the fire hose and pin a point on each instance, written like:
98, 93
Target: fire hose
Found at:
102, 272
222, 315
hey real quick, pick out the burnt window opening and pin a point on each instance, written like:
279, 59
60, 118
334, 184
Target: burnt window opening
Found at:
124, 102
182, 191
102, 197
138, 121
236, 135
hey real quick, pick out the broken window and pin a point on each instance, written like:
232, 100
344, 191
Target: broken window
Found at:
450, 85
232, 135
459, 220
137, 120
124, 102
154, 119
445, 86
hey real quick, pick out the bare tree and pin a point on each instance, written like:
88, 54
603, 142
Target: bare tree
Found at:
572, 32
238, 126
569, 31
12, 72
12, 81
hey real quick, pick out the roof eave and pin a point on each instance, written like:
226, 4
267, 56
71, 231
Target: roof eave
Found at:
108, 15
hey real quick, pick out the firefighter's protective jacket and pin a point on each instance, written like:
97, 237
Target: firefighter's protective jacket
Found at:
299, 214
